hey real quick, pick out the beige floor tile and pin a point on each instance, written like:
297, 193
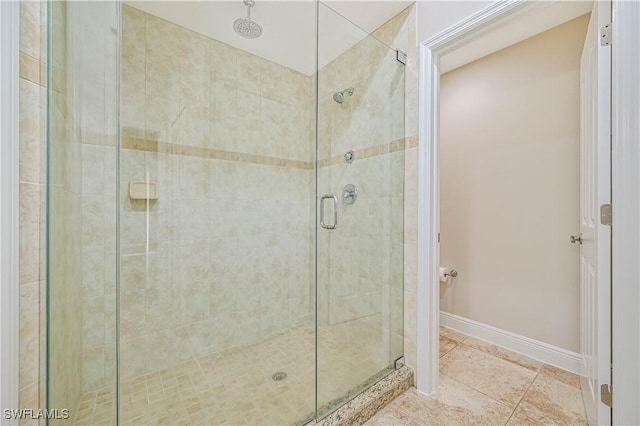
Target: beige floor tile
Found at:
561, 375
505, 354
495, 377
519, 419
452, 334
550, 401
455, 404
391, 417
446, 345
553, 397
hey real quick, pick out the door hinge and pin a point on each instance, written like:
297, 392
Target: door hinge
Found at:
606, 395
438, 237
401, 57
605, 214
605, 35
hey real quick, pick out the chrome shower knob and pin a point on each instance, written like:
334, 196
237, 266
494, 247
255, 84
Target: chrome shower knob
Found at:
349, 194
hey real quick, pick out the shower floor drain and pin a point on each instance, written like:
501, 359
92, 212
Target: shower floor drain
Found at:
280, 375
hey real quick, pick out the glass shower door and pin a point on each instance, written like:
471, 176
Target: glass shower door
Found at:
82, 130
216, 301
360, 193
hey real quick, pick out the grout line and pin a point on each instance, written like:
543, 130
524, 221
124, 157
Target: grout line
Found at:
477, 390
454, 347
524, 394
488, 396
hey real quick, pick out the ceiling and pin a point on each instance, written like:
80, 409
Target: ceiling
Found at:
537, 18
288, 36
289, 26
368, 14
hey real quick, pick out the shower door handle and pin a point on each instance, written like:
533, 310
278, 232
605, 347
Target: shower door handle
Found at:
335, 211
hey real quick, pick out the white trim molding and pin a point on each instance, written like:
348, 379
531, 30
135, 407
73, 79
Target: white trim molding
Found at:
535, 349
428, 283
9, 202
625, 160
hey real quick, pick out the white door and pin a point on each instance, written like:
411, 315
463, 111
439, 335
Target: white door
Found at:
595, 190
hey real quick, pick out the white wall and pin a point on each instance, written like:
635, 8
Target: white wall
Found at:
509, 191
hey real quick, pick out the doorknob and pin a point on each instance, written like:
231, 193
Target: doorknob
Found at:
575, 239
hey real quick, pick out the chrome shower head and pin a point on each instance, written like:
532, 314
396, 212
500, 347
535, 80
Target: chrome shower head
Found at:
339, 96
247, 27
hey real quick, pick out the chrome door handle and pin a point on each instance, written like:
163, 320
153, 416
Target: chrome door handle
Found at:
335, 211
576, 239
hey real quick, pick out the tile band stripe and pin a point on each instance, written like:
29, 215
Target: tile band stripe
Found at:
141, 144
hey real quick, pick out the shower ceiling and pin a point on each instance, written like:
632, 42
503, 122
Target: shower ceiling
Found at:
287, 24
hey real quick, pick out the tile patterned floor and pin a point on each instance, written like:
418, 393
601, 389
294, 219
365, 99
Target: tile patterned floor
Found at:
482, 384
235, 387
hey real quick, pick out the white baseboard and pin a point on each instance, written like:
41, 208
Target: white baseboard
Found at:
544, 352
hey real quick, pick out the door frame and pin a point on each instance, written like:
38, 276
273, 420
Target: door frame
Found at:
9, 205
428, 294
625, 193
625, 190
428, 283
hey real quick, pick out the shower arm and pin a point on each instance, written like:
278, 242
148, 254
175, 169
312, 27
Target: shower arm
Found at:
249, 4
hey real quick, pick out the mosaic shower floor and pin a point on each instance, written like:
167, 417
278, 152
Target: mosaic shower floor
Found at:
236, 387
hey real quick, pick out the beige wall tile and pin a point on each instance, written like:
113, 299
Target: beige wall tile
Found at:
31, 135
29, 337
30, 27
29, 232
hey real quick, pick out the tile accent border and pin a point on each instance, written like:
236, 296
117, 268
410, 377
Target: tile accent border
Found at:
373, 151
218, 154
148, 145
540, 351
368, 403
33, 70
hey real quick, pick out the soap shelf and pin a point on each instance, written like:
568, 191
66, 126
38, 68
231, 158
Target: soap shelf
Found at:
140, 190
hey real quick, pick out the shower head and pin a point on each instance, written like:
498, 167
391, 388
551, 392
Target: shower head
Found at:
339, 96
247, 27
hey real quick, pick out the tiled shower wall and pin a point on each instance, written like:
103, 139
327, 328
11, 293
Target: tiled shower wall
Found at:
227, 136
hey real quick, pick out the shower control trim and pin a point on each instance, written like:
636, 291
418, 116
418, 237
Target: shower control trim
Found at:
349, 193
349, 156
335, 211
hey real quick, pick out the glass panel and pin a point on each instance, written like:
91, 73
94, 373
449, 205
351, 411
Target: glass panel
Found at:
191, 215
360, 275
217, 271
81, 207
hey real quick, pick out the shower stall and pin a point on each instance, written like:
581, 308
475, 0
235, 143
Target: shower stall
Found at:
225, 207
